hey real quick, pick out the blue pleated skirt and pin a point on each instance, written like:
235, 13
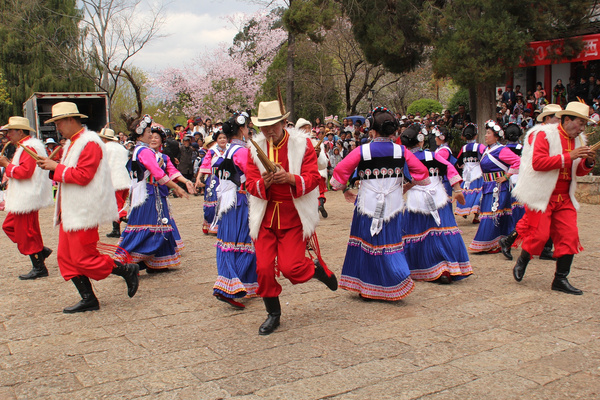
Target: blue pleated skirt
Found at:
148, 239
472, 198
236, 259
210, 204
375, 266
518, 210
433, 250
494, 225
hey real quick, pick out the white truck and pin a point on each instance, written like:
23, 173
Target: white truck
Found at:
38, 109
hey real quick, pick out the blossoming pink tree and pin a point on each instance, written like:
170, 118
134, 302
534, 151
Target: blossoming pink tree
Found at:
228, 78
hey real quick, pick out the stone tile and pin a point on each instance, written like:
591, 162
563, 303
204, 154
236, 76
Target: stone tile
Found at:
47, 386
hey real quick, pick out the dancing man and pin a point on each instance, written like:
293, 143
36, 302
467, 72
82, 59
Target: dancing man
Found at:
85, 200
29, 190
283, 208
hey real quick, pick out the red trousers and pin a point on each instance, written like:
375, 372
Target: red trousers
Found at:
78, 255
24, 230
558, 222
289, 247
121, 196
322, 187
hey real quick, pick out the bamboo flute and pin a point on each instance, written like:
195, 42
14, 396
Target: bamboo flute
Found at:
54, 153
33, 154
269, 166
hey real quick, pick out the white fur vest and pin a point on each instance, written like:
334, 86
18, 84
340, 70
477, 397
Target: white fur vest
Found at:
85, 207
307, 205
117, 157
27, 195
534, 188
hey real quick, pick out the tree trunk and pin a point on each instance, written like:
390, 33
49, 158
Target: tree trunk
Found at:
486, 107
289, 77
473, 103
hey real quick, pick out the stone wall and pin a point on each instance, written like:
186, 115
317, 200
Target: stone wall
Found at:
588, 189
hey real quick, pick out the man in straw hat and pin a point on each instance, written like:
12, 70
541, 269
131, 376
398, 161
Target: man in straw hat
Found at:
551, 159
117, 157
283, 208
29, 190
84, 201
547, 117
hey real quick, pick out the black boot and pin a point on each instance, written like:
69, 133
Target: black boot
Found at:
129, 272
88, 302
519, 269
46, 252
507, 242
116, 232
272, 322
320, 274
322, 207
547, 252
560, 282
39, 269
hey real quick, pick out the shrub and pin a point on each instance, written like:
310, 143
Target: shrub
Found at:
425, 106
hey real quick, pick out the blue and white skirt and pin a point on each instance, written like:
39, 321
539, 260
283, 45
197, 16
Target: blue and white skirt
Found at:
151, 234
433, 250
472, 198
375, 266
236, 259
210, 204
494, 225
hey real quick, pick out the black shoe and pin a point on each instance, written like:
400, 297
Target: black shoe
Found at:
116, 232
274, 310
320, 274
322, 208
506, 243
443, 280
521, 265
129, 272
39, 269
547, 254
88, 302
560, 282
150, 270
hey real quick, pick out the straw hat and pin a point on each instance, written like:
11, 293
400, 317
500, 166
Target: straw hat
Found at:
302, 122
109, 134
269, 113
549, 109
208, 142
18, 123
65, 109
576, 109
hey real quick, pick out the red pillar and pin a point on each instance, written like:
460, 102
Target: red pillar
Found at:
510, 78
548, 82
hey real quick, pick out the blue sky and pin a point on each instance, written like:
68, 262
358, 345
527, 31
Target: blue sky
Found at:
191, 27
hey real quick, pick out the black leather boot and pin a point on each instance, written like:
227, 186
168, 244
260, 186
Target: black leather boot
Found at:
322, 207
320, 274
560, 282
547, 253
507, 242
519, 269
129, 272
116, 232
39, 269
274, 310
88, 302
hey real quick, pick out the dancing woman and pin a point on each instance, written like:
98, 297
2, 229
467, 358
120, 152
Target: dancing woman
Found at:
209, 167
151, 236
375, 265
468, 160
497, 165
433, 245
236, 259
512, 133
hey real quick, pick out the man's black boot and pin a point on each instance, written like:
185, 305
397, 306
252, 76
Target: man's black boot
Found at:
322, 207
39, 269
88, 302
519, 269
116, 232
560, 282
274, 310
129, 272
547, 253
507, 242
320, 274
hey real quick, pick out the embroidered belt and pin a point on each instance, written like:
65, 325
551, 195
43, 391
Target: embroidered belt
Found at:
491, 176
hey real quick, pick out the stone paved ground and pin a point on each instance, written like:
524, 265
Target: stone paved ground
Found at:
485, 337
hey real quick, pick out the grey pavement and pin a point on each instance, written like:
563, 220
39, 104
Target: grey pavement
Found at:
484, 337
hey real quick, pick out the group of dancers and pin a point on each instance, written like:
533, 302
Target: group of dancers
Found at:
262, 201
